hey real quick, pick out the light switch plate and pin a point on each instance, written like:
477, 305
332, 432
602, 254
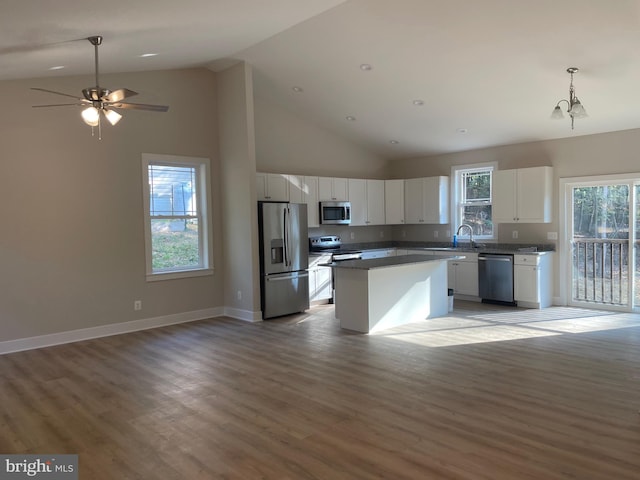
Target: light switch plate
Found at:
514, 234
552, 235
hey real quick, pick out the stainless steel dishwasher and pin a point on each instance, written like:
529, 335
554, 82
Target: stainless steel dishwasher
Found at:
495, 278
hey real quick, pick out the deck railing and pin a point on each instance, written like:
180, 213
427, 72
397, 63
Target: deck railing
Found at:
601, 271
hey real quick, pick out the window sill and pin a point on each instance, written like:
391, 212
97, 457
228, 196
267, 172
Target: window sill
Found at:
158, 277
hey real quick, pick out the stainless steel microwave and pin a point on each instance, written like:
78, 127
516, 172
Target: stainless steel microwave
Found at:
335, 213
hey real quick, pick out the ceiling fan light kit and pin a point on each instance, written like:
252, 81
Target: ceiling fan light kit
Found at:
574, 107
101, 102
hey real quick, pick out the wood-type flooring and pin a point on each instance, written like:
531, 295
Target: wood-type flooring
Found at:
486, 392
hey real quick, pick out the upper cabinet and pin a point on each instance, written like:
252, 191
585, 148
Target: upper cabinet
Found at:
522, 195
394, 202
272, 186
332, 189
426, 200
367, 201
303, 189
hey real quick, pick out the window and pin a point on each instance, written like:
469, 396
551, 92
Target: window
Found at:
472, 199
176, 200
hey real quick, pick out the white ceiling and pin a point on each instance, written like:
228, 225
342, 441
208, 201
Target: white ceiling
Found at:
495, 68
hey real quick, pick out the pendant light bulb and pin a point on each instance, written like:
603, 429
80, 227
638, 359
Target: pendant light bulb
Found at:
91, 116
113, 116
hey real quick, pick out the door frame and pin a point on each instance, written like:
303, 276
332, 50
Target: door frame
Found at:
564, 241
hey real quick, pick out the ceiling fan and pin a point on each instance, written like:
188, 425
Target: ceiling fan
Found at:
102, 102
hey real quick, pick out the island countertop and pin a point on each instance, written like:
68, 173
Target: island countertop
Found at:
385, 262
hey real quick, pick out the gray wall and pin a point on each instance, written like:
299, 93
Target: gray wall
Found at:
72, 242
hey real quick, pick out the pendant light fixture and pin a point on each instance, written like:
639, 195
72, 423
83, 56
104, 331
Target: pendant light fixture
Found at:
574, 107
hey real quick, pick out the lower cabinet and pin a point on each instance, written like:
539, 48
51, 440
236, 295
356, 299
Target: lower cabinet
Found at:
320, 283
463, 274
533, 280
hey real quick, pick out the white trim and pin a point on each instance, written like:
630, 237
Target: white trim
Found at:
60, 338
204, 198
196, 272
246, 315
454, 190
566, 207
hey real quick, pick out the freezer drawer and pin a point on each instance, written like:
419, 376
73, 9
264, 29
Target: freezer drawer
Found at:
285, 293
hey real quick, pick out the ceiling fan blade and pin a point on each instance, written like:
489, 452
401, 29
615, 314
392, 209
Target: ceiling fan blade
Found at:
59, 105
119, 95
140, 106
56, 93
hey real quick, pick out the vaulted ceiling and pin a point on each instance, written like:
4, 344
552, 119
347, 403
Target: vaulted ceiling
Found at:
402, 78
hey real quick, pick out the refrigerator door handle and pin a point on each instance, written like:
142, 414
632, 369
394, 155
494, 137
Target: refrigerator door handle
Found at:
285, 235
281, 278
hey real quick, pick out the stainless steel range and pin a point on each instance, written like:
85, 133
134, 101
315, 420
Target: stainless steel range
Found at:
333, 245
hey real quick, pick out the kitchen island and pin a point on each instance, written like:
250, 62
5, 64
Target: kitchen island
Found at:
380, 293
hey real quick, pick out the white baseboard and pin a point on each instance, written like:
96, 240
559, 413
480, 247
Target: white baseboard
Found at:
246, 315
108, 330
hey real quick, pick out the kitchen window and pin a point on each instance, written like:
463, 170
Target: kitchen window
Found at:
177, 226
472, 194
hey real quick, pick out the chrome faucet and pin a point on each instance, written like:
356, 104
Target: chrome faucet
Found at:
466, 225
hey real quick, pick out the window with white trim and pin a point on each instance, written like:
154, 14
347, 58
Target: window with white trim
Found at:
176, 205
473, 192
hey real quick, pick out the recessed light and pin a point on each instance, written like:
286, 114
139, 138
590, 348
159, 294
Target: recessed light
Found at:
366, 67
462, 130
351, 118
147, 55
394, 142
418, 103
57, 67
297, 89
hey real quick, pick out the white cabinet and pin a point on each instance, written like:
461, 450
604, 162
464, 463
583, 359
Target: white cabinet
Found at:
332, 189
533, 280
426, 200
272, 186
522, 195
381, 253
303, 189
367, 201
462, 274
394, 202
320, 286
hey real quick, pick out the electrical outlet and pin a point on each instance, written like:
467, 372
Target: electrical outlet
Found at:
353, 235
381, 233
404, 233
552, 235
514, 234
435, 234
137, 305
239, 295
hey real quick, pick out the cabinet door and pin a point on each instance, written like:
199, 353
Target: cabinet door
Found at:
272, 186
375, 202
466, 278
304, 189
534, 194
525, 283
394, 202
296, 189
413, 201
436, 200
310, 188
333, 189
358, 199
504, 196
261, 186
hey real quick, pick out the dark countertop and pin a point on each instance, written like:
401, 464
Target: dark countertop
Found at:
463, 247
386, 262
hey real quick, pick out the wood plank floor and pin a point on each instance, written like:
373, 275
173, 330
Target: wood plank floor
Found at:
485, 393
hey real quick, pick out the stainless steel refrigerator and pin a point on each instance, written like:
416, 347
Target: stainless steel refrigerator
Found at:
284, 258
